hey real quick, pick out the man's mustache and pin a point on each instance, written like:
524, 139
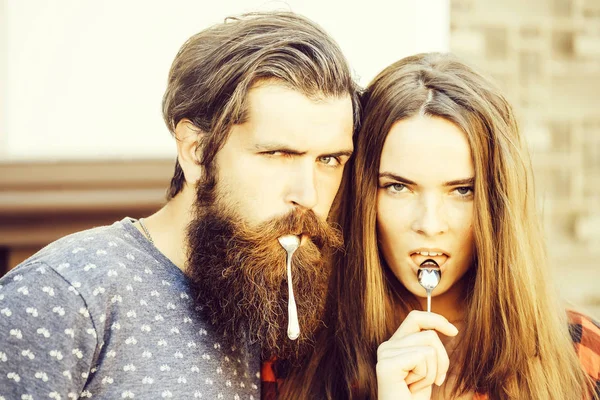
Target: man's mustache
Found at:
300, 223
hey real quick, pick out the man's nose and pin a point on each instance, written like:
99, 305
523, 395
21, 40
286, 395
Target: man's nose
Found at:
302, 187
430, 218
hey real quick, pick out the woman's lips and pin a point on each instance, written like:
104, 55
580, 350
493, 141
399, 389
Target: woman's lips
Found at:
418, 259
429, 263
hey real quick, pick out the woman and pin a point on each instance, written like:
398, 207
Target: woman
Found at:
441, 174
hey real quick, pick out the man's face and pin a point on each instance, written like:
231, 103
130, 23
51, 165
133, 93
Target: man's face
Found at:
289, 154
277, 174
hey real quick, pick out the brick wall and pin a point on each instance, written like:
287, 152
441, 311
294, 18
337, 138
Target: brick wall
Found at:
545, 55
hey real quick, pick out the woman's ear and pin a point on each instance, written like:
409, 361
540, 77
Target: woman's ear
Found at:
188, 137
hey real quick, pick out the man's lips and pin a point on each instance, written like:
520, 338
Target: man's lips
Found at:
304, 238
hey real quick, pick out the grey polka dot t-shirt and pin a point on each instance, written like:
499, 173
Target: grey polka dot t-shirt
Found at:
103, 314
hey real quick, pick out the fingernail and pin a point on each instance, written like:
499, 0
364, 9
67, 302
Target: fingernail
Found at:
441, 380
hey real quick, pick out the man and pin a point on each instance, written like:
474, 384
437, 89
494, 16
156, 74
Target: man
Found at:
188, 302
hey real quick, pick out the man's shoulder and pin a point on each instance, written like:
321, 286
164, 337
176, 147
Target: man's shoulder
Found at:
102, 243
104, 267
89, 257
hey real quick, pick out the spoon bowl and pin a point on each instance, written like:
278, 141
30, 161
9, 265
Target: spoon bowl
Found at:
290, 243
429, 278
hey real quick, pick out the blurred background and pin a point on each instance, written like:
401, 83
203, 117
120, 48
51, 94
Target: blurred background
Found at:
82, 141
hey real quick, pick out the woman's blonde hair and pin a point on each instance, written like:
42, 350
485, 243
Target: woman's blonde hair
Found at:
515, 329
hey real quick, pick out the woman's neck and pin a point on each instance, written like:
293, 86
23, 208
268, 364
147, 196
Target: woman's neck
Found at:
450, 304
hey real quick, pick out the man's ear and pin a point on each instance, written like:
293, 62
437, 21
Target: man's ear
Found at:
188, 136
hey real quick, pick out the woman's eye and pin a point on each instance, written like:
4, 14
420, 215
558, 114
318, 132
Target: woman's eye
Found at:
464, 191
396, 187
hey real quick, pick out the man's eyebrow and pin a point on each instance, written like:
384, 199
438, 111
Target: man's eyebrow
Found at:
287, 149
277, 147
342, 153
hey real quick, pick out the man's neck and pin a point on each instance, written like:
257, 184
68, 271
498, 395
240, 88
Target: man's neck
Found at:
168, 227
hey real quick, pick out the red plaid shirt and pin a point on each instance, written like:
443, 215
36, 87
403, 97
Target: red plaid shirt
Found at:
268, 380
585, 334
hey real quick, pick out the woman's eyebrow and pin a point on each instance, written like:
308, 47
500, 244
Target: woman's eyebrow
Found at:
395, 177
459, 182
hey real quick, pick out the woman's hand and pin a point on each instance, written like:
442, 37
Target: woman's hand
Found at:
414, 358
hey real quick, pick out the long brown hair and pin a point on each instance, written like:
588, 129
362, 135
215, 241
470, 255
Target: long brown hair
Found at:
213, 71
515, 328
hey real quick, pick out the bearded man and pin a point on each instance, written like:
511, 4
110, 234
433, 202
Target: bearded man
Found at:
188, 302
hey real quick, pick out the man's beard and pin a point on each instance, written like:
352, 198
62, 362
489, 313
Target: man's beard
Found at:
239, 274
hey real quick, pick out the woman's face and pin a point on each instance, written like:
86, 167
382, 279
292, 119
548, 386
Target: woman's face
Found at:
425, 201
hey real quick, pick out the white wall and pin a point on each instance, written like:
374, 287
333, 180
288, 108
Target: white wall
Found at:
83, 79
3, 79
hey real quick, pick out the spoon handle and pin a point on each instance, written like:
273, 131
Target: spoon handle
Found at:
428, 300
293, 330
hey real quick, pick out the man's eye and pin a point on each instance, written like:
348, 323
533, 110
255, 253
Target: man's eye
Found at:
329, 161
276, 153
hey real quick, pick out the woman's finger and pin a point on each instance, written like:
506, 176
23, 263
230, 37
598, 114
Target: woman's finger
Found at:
392, 372
417, 321
425, 338
430, 373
